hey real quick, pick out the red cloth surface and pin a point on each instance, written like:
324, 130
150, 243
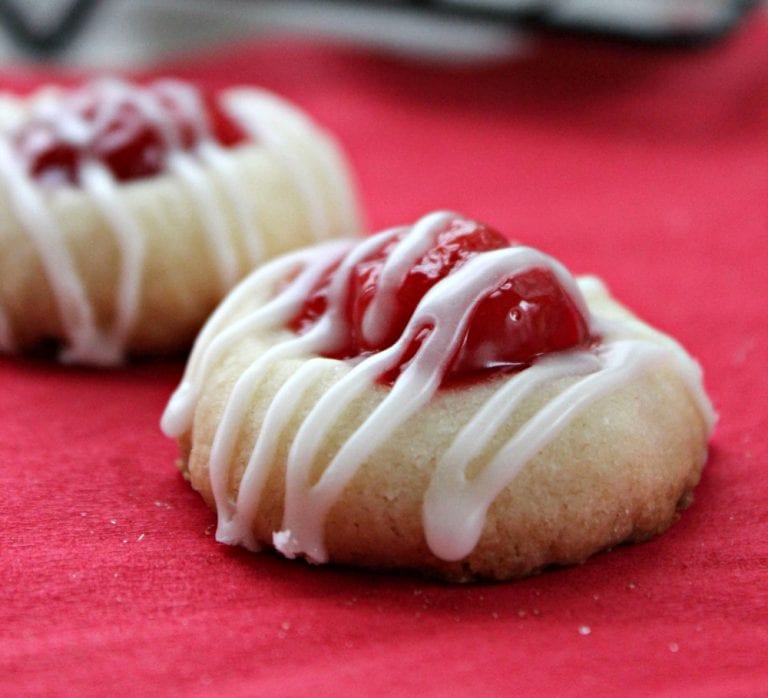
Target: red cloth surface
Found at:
646, 166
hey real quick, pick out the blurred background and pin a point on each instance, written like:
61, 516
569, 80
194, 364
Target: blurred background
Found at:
115, 33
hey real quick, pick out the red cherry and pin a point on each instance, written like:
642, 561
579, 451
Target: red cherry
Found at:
225, 130
528, 315
127, 143
460, 241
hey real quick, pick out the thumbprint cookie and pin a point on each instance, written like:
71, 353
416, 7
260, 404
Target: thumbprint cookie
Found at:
436, 398
127, 211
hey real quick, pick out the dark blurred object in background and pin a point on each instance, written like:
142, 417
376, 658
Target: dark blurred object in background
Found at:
124, 31
648, 20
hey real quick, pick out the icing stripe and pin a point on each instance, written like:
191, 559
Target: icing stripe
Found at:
68, 293
688, 369
215, 227
411, 248
331, 170
277, 125
236, 528
337, 176
455, 508
237, 191
99, 183
216, 335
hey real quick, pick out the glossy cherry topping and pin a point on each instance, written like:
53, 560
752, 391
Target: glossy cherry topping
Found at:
526, 316
129, 128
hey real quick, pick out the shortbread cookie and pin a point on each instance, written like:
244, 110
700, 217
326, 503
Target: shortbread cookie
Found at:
433, 398
128, 211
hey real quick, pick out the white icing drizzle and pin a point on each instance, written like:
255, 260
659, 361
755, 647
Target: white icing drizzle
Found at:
282, 128
413, 246
98, 181
188, 169
455, 507
72, 303
217, 334
273, 123
237, 191
452, 498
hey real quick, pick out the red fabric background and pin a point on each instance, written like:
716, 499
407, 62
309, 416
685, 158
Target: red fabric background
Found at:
648, 167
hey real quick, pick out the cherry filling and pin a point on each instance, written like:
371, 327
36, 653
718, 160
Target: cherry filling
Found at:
112, 127
528, 315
